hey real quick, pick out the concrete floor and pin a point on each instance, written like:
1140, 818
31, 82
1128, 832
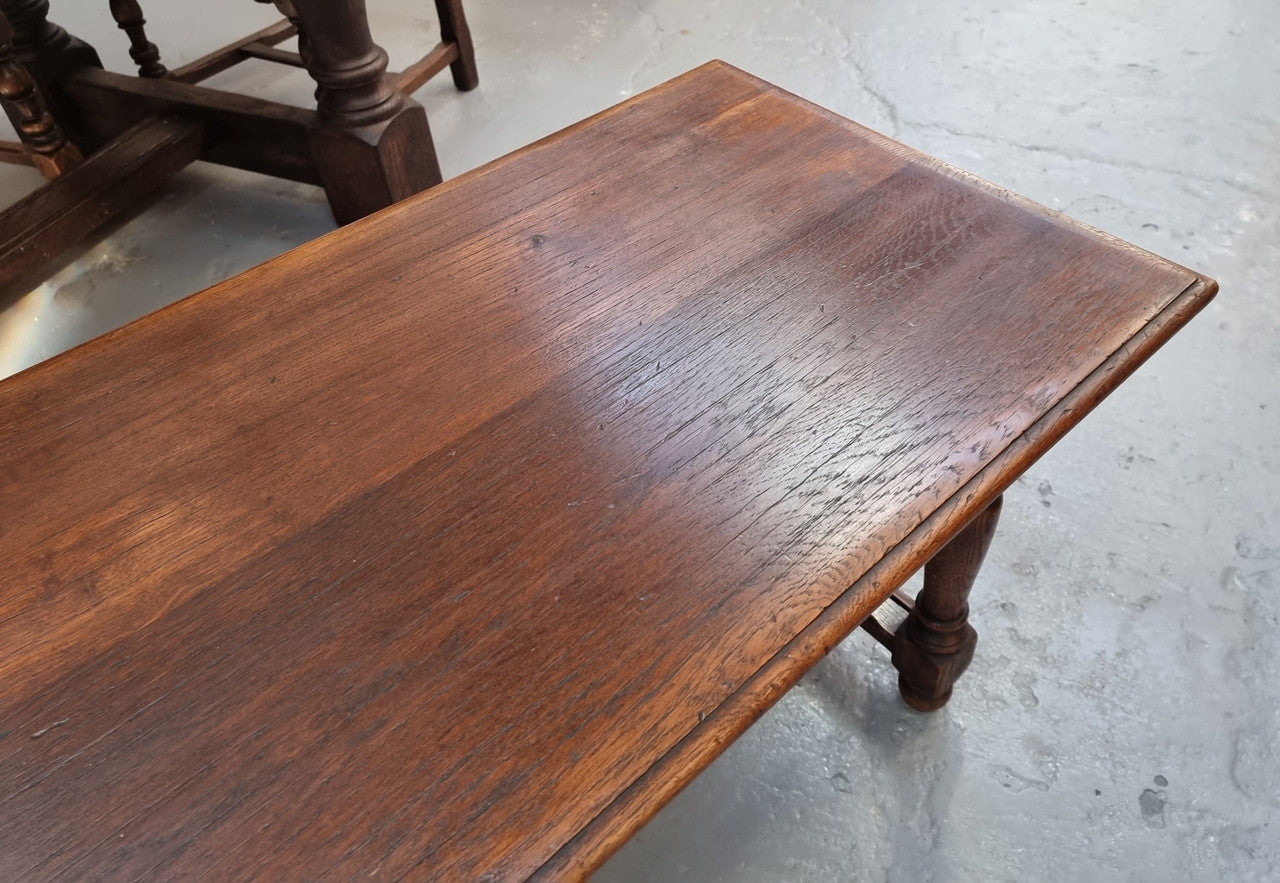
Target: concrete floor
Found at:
1120, 721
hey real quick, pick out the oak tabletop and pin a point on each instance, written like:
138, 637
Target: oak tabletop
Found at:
452, 544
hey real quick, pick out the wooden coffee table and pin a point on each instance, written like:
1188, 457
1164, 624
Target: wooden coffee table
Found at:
451, 545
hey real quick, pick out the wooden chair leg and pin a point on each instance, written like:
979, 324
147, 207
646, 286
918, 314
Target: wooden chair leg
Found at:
372, 146
49, 55
453, 29
145, 54
51, 153
935, 644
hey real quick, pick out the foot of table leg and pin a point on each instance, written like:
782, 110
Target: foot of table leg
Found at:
373, 146
453, 29
934, 646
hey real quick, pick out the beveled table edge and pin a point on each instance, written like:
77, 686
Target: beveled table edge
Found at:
661, 782
628, 812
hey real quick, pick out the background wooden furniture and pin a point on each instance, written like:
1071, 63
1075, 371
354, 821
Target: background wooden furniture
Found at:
366, 143
464, 577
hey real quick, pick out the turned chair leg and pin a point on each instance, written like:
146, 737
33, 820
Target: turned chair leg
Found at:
145, 54
49, 54
372, 146
51, 153
934, 645
453, 29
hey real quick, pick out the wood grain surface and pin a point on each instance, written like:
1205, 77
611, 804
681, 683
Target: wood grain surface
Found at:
450, 545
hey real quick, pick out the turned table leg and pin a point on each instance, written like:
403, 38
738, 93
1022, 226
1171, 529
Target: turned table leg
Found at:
933, 647
372, 146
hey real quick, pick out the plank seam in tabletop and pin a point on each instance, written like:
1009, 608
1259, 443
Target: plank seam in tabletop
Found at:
627, 813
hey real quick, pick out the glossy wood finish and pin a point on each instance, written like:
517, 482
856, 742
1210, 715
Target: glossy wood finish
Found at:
452, 544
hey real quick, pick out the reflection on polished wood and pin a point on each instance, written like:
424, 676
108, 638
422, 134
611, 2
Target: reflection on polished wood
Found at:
453, 544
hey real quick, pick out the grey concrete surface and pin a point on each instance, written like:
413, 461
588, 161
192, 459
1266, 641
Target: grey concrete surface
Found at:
1120, 720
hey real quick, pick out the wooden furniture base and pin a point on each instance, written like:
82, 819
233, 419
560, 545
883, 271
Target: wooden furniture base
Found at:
367, 143
451, 545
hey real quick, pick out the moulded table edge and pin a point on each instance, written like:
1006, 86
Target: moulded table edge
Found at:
641, 800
